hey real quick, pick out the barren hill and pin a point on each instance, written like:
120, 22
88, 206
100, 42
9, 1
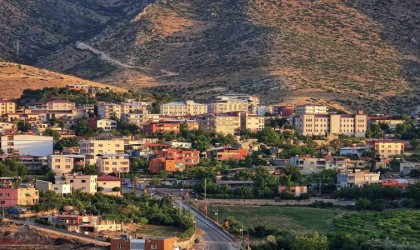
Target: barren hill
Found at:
14, 78
350, 53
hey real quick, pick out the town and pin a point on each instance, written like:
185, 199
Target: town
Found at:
104, 167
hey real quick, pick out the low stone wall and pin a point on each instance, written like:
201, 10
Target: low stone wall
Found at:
272, 202
186, 244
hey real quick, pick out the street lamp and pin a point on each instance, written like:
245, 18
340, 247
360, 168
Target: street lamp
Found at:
196, 203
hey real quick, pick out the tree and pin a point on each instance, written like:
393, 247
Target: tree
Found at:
269, 136
23, 126
66, 142
53, 133
310, 241
265, 182
116, 189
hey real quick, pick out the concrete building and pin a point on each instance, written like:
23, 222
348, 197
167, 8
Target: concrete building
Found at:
353, 150
105, 124
228, 105
220, 123
179, 144
78, 87
21, 144
139, 117
63, 164
187, 108
326, 124
7, 126
357, 179
78, 181
113, 163
92, 148
392, 123
11, 197
252, 101
168, 165
114, 110
252, 122
62, 189
311, 109
308, 164
188, 157
295, 190
162, 127
108, 183
231, 154
406, 167
144, 244
284, 111
386, 149
7, 107
60, 105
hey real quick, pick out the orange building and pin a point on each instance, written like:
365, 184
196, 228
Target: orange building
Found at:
162, 127
232, 154
146, 244
399, 183
163, 164
188, 157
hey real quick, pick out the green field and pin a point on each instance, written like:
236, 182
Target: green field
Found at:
280, 217
397, 225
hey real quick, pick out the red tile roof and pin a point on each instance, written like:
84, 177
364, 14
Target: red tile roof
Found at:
108, 178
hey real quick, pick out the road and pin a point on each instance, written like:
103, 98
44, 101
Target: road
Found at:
214, 238
80, 238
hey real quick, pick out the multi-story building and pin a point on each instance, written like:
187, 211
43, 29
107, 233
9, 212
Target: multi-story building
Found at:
62, 189
407, 167
7, 107
35, 145
252, 101
386, 149
311, 109
63, 164
326, 124
392, 123
92, 148
188, 157
114, 110
78, 181
162, 127
168, 165
139, 117
225, 105
220, 123
252, 122
11, 197
357, 179
113, 163
282, 110
187, 108
7, 126
105, 124
60, 105
231, 154
144, 244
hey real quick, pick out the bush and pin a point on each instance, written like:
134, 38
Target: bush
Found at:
100, 189
363, 203
116, 189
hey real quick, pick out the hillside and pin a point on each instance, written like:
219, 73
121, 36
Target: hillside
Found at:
14, 78
349, 53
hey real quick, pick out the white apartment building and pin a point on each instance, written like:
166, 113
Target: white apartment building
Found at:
106, 124
357, 179
179, 144
311, 109
116, 110
226, 105
91, 148
252, 122
7, 126
78, 181
63, 164
35, 145
7, 107
186, 108
60, 105
225, 124
139, 117
252, 100
113, 163
62, 188
325, 124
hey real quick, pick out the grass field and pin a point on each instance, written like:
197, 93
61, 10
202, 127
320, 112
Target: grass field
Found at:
402, 226
280, 217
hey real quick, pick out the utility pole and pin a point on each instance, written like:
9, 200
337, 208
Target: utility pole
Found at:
319, 186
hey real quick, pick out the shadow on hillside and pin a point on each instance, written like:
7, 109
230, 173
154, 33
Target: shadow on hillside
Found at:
401, 22
229, 56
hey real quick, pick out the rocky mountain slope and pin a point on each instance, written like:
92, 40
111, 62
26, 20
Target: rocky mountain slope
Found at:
14, 78
349, 53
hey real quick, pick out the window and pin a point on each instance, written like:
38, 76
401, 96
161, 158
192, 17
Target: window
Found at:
153, 246
83, 181
3, 202
57, 160
119, 246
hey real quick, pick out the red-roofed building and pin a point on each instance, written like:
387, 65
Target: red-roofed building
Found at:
399, 183
188, 157
232, 154
109, 183
162, 127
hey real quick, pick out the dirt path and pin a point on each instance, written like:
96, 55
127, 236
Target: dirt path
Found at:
109, 59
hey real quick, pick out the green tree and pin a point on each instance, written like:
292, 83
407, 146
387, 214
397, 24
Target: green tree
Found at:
138, 164
269, 136
265, 182
53, 133
310, 241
